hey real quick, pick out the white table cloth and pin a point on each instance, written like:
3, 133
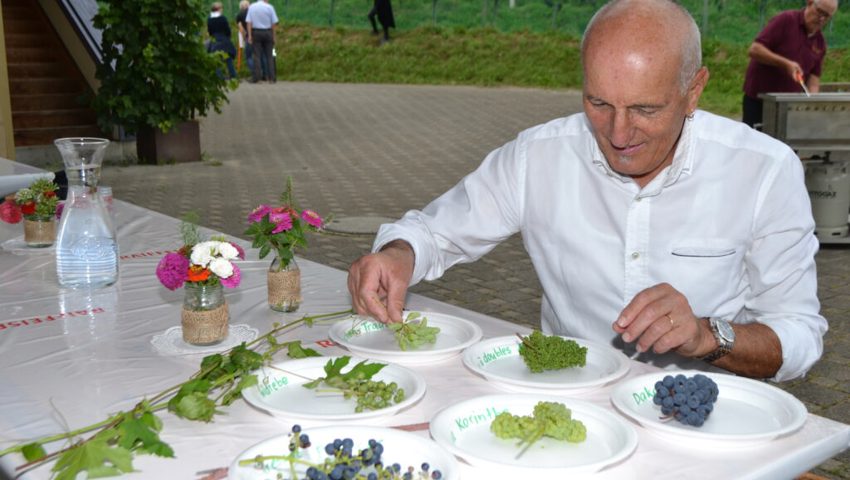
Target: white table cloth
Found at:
69, 358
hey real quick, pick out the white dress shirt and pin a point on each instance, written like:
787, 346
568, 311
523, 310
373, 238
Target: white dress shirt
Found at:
728, 224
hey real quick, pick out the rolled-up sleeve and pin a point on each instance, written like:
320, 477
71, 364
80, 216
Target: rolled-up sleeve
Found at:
781, 266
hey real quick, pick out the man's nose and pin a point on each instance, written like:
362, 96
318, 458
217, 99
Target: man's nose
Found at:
621, 128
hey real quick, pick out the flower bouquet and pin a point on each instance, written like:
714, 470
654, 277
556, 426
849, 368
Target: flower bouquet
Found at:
36, 205
281, 230
202, 269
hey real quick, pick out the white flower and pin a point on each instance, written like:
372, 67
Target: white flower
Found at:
221, 267
203, 253
228, 251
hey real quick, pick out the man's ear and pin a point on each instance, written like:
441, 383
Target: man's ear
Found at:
696, 88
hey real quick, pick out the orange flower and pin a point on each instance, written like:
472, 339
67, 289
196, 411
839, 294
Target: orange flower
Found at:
198, 273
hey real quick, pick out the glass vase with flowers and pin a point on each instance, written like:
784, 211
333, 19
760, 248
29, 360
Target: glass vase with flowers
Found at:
203, 269
280, 230
36, 206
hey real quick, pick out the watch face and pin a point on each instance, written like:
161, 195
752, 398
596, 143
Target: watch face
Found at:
725, 330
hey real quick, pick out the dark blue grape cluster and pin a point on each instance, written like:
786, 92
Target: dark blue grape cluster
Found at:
687, 399
344, 463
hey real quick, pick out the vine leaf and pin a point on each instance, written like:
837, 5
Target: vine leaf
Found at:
33, 452
142, 434
96, 457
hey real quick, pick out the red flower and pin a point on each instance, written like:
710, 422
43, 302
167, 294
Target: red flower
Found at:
49, 194
10, 212
198, 273
28, 208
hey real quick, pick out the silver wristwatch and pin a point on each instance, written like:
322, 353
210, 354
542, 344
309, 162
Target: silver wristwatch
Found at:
725, 336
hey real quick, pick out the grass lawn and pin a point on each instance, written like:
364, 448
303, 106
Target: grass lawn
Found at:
487, 57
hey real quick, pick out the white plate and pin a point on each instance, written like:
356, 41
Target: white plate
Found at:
464, 429
747, 411
405, 448
280, 391
373, 339
498, 360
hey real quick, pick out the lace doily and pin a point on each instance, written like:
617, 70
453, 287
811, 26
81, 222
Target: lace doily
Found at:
17, 246
171, 341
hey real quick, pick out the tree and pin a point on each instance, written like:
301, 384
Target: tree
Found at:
156, 71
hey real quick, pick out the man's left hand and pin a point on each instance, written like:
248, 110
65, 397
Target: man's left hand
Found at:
660, 318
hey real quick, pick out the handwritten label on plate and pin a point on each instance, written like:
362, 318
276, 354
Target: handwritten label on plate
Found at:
494, 354
364, 327
272, 384
477, 417
643, 396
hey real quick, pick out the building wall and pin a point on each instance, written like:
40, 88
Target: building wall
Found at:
7, 139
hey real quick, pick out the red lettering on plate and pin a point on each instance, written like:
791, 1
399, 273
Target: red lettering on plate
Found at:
325, 343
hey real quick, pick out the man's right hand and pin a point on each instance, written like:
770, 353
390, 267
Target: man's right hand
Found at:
795, 71
378, 281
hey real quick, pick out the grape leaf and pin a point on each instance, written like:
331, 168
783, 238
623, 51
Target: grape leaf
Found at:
142, 434
335, 377
194, 406
33, 451
294, 349
234, 393
96, 457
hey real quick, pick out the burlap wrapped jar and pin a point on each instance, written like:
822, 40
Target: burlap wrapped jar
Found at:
39, 233
205, 316
284, 285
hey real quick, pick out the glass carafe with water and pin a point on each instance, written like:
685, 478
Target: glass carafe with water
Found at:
86, 247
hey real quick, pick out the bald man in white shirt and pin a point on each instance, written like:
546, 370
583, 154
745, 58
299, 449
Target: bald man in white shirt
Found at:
655, 227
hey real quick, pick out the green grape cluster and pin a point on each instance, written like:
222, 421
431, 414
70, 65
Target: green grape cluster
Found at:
411, 334
371, 394
550, 352
550, 419
357, 383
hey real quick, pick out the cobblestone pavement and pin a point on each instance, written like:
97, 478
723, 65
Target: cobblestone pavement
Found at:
379, 150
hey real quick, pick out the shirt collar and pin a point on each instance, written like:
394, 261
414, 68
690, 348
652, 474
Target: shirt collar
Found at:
683, 159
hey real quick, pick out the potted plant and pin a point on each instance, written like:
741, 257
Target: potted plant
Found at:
36, 205
156, 76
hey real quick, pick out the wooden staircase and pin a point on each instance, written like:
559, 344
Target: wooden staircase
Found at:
49, 95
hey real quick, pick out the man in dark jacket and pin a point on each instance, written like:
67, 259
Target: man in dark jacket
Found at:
383, 9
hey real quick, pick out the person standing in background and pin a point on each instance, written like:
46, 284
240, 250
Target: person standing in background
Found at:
242, 26
788, 52
382, 9
219, 30
262, 22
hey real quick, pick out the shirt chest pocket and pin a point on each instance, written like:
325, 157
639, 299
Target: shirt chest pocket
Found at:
708, 271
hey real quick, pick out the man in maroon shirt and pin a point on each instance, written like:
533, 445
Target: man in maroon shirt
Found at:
788, 51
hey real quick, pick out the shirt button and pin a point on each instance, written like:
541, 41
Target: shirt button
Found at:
635, 255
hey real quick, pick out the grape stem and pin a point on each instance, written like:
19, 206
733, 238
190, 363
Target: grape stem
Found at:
525, 342
529, 441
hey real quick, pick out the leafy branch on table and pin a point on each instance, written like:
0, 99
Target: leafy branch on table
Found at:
107, 448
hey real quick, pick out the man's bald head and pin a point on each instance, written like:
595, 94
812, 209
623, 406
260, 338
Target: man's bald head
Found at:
660, 26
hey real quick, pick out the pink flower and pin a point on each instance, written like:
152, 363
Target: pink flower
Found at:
312, 218
281, 218
60, 207
258, 213
173, 270
241, 254
233, 280
10, 212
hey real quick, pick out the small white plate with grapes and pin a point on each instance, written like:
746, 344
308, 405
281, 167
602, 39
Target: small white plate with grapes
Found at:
372, 339
500, 362
744, 411
282, 389
579, 439
390, 446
